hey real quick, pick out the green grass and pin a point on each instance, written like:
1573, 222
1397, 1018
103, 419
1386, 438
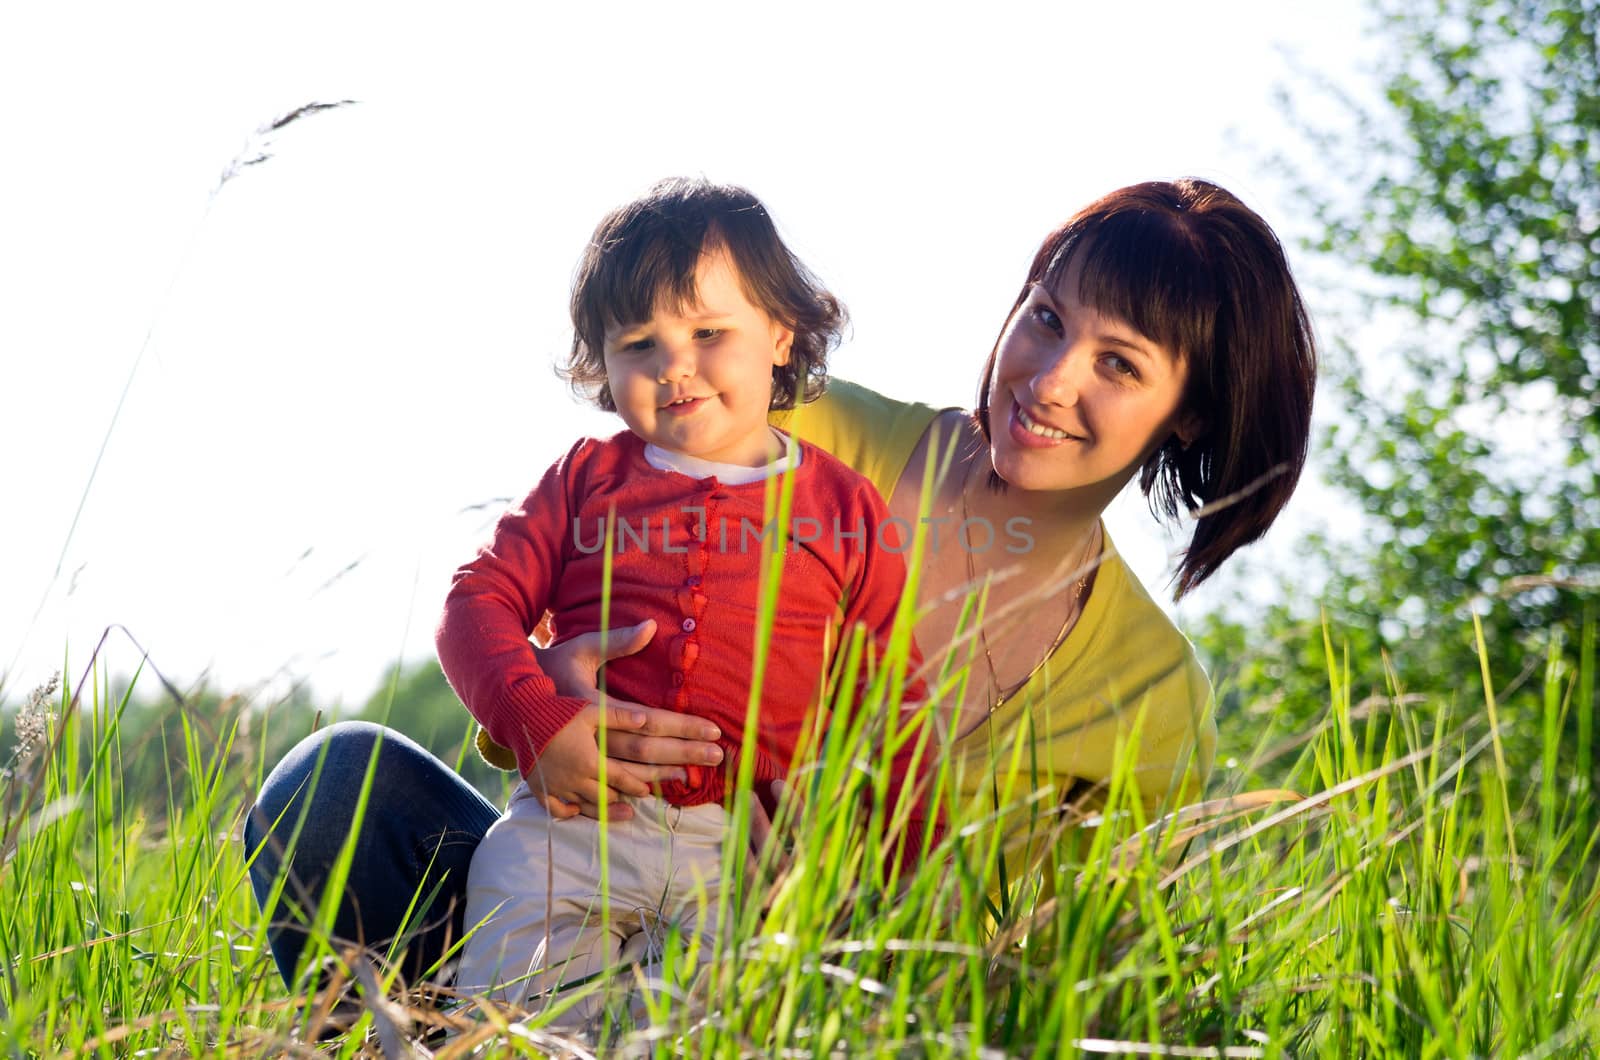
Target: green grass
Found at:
1417, 895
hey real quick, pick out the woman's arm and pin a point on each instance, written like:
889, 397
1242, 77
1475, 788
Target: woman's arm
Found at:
644, 745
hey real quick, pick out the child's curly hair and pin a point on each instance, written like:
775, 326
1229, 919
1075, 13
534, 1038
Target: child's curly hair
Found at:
644, 254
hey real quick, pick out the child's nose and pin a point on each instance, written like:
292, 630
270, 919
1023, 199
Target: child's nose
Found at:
676, 362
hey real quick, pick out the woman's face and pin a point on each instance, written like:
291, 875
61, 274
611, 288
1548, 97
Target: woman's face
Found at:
1079, 399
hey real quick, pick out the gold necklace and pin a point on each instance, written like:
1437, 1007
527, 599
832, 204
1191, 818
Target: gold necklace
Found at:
1074, 609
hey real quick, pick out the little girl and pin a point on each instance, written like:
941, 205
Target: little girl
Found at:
693, 320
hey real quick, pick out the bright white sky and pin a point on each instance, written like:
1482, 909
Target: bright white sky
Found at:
353, 346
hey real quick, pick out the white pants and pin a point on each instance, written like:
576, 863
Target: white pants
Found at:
534, 887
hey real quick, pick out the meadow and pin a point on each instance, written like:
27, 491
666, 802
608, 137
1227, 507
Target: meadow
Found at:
1395, 855
1382, 880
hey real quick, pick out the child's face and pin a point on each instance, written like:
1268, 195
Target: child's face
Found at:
701, 383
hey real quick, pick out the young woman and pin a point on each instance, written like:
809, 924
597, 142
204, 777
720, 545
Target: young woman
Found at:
1158, 334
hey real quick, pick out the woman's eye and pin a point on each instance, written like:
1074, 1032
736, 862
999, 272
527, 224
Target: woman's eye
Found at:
1047, 316
1122, 366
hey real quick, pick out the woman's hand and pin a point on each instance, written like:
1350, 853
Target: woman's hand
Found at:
763, 825
644, 745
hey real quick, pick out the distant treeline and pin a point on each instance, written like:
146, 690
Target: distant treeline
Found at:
150, 735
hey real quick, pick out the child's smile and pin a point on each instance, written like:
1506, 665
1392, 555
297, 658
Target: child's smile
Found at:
683, 406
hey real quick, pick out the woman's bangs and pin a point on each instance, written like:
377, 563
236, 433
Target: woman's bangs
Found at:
1143, 270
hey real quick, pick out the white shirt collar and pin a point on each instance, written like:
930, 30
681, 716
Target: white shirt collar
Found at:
729, 474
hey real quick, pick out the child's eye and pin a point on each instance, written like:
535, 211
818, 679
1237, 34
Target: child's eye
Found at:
638, 345
707, 334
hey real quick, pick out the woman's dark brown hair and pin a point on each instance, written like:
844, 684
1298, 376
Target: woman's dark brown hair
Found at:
644, 254
1195, 270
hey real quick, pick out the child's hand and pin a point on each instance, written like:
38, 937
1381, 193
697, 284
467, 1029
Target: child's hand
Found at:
644, 744
567, 772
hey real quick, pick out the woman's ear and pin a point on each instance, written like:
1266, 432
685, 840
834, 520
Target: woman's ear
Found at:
1189, 428
783, 346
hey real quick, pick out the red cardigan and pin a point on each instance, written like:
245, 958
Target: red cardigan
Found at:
686, 552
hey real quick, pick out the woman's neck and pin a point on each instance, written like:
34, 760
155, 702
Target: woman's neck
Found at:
1059, 522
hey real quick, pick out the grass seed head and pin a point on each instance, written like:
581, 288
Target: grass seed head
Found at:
34, 719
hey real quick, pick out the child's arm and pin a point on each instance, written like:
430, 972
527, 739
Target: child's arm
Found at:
493, 605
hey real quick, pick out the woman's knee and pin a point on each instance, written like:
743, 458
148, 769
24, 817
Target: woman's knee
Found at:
333, 765
321, 779
325, 776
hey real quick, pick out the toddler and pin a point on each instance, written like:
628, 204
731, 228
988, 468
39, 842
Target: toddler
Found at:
692, 320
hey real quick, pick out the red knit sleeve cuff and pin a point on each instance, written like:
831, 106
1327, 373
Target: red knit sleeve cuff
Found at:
526, 722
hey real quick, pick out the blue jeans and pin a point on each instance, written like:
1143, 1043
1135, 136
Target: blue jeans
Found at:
421, 825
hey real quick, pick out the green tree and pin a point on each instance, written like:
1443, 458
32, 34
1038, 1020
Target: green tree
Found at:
1479, 208
1466, 204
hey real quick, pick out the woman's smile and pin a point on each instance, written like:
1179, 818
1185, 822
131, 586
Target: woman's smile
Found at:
1032, 432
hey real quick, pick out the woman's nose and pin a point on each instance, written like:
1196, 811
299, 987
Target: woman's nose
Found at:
1059, 380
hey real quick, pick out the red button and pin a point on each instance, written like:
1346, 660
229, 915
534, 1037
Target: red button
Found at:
688, 625
693, 581
682, 651
677, 680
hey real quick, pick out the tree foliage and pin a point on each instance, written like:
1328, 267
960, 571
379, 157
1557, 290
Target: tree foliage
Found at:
1466, 206
1475, 447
